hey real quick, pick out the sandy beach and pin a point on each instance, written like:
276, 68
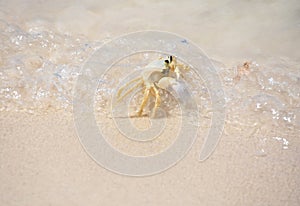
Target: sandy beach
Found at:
44, 162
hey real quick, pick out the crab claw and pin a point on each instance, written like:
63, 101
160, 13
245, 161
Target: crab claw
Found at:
180, 90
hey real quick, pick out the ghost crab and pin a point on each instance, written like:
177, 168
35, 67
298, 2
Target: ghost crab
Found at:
159, 74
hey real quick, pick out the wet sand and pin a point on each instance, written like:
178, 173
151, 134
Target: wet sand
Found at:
43, 162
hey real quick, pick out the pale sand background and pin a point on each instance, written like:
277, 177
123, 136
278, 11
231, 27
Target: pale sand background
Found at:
43, 163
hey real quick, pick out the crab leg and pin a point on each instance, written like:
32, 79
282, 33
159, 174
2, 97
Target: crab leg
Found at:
144, 102
126, 85
157, 100
129, 91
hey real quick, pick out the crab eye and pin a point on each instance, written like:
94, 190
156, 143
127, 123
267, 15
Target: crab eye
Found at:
167, 61
171, 58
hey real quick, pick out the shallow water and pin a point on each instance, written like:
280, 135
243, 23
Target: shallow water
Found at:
39, 70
